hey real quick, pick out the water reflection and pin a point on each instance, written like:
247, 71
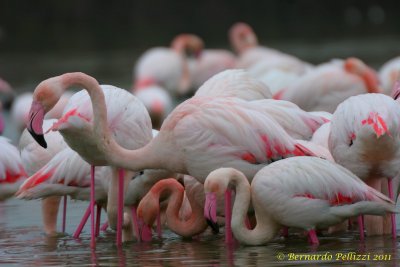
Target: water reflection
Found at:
22, 243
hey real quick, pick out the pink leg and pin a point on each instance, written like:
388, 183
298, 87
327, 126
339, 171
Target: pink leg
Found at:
145, 231
104, 227
136, 223
392, 216
228, 216
98, 217
92, 203
159, 230
312, 237
285, 232
82, 223
120, 206
64, 213
361, 226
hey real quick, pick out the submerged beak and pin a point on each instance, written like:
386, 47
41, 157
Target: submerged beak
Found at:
35, 123
210, 211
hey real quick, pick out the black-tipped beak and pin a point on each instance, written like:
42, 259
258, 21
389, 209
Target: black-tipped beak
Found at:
214, 226
39, 138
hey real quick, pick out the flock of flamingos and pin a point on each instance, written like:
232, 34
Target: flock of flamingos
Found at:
262, 143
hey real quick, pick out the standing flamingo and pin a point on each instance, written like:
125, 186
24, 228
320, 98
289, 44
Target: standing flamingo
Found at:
12, 173
125, 117
325, 87
245, 43
364, 138
149, 207
168, 67
302, 192
33, 158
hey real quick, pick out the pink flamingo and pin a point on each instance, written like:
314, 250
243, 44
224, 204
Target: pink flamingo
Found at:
292, 192
157, 102
245, 43
149, 207
364, 138
12, 173
33, 158
168, 67
325, 87
125, 117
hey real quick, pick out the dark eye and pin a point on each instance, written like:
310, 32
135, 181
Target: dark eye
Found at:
141, 172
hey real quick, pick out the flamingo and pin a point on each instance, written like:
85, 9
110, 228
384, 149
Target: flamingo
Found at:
12, 173
157, 102
364, 138
304, 192
389, 73
245, 43
125, 116
149, 208
168, 67
33, 158
324, 88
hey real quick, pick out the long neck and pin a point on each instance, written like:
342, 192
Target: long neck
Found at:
265, 228
96, 95
196, 223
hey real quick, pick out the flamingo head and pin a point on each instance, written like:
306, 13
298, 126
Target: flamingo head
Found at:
188, 44
148, 208
369, 76
242, 37
215, 186
45, 97
396, 90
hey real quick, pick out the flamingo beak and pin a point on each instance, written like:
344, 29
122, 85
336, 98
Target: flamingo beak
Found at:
210, 211
35, 123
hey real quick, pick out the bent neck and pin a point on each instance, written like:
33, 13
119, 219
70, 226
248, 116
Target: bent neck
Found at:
265, 228
96, 94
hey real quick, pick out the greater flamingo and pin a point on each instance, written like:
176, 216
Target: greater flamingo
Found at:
329, 84
168, 67
33, 158
364, 138
245, 43
157, 102
303, 192
149, 208
125, 117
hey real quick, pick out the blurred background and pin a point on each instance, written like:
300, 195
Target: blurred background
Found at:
43, 38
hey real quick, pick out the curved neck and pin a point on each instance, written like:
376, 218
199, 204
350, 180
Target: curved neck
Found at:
196, 223
265, 228
96, 95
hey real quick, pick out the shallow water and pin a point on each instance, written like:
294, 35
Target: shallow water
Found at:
23, 243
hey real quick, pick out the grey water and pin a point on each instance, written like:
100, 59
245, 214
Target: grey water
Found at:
23, 243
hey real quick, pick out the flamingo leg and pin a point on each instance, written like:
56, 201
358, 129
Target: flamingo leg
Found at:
120, 213
228, 216
392, 216
312, 237
98, 217
82, 223
136, 223
360, 220
104, 227
159, 230
92, 203
64, 213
